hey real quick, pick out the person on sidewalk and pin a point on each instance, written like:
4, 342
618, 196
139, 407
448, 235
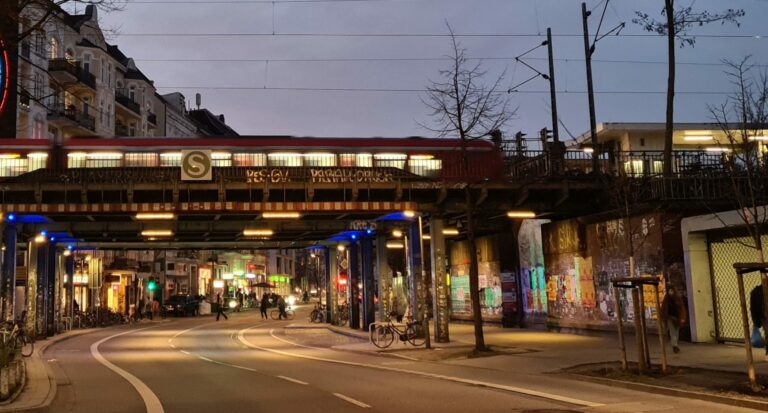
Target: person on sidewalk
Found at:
281, 306
757, 312
264, 305
220, 308
673, 315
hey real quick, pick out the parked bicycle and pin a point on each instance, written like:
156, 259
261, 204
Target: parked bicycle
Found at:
13, 334
341, 318
383, 335
318, 314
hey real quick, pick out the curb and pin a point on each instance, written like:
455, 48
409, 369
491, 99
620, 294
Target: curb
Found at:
347, 333
668, 391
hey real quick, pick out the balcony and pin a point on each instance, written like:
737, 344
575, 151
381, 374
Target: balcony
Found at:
69, 72
121, 130
122, 97
70, 117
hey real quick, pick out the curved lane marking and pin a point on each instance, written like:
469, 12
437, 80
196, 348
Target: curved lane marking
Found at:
151, 402
513, 389
292, 380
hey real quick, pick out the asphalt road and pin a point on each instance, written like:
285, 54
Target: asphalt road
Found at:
246, 364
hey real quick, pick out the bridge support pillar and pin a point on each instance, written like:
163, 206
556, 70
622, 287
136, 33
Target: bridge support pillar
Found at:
413, 244
331, 282
385, 277
352, 285
369, 311
8, 284
34, 272
440, 291
52, 270
69, 265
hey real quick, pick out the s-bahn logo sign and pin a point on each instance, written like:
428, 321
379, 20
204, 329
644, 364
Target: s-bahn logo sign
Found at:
196, 165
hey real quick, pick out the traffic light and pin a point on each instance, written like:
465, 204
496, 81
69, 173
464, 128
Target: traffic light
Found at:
151, 285
545, 134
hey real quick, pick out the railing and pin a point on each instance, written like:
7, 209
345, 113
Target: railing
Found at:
121, 130
70, 112
74, 69
122, 97
542, 164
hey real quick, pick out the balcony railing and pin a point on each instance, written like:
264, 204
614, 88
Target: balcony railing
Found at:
122, 97
121, 130
82, 119
73, 68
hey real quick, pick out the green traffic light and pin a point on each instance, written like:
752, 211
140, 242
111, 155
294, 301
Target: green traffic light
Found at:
151, 286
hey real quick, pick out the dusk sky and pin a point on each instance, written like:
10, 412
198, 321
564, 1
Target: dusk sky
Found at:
261, 84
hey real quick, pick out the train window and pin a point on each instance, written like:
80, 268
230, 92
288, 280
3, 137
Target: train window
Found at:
140, 159
424, 166
364, 160
104, 160
76, 160
320, 159
37, 160
249, 159
221, 159
347, 159
170, 159
11, 164
390, 160
285, 159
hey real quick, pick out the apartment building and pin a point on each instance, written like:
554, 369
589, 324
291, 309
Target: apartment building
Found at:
72, 82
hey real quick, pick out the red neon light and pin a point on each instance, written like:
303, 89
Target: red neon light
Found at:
342, 281
6, 78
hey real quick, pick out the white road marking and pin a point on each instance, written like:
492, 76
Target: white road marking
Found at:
185, 352
172, 345
204, 358
513, 389
151, 402
403, 356
292, 380
351, 400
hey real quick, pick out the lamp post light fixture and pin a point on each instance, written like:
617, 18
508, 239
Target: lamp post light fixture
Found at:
397, 233
521, 214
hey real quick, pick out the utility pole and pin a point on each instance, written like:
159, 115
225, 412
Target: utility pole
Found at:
552, 92
588, 50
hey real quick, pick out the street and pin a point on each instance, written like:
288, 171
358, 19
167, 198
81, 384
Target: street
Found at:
248, 364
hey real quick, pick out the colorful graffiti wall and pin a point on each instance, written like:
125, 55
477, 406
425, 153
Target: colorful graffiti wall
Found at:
532, 278
488, 275
580, 260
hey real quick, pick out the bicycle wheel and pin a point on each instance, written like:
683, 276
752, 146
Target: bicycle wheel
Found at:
26, 345
274, 314
415, 334
382, 336
290, 314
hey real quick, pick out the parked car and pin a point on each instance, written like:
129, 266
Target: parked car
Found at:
182, 305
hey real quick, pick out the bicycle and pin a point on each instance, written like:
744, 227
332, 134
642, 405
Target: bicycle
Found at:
318, 314
383, 335
342, 315
275, 314
13, 333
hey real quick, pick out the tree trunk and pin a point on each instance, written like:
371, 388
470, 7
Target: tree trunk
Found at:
669, 6
474, 282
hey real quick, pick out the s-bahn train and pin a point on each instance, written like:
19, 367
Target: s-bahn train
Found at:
427, 157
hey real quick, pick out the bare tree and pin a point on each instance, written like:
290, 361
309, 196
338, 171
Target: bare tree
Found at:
464, 106
676, 25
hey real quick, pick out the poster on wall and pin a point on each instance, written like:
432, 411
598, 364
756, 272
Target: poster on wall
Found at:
460, 302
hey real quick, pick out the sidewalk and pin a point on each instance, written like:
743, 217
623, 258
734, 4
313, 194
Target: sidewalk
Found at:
556, 351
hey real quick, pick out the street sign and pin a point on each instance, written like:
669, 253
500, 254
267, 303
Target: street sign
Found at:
196, 165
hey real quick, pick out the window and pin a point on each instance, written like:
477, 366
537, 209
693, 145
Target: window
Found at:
132, 92
285, 159
54, 45
170, 159
38, 128
221, 159
132, 129
390, 160
40, 43
319, 159
249, 159
171, 266
87, 63
37, 86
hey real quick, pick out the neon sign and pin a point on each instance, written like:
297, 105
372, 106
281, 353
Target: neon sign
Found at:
4, 76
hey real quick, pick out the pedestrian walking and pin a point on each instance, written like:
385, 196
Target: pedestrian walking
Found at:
264, 305
155, 308
674, 315
757, 311
281, 307
239, 295
220, 308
